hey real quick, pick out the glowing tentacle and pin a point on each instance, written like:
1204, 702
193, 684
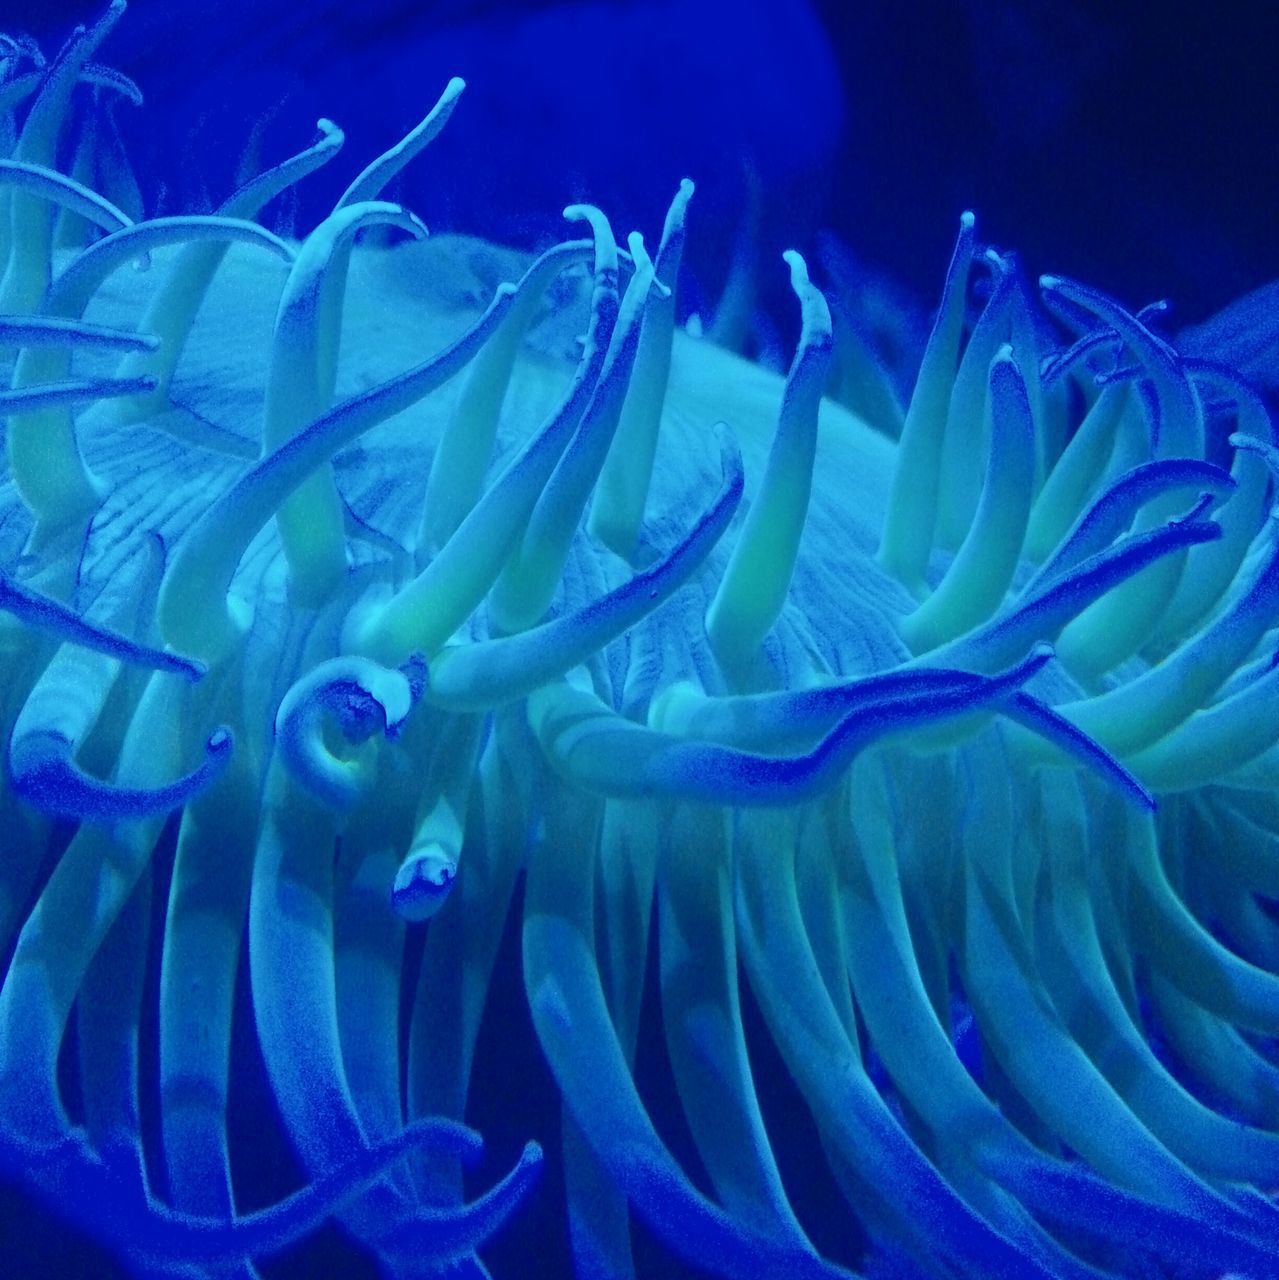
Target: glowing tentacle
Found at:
372, 180
912, 508
979, 575
701, 1016
300, 385
617, 507
753, 589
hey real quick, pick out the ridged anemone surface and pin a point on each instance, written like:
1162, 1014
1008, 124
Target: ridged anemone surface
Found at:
917, 773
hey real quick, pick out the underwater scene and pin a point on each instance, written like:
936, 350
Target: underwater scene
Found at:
639, 640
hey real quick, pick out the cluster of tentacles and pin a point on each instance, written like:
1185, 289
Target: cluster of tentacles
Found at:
371, 601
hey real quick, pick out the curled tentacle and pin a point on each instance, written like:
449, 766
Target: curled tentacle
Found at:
363, 699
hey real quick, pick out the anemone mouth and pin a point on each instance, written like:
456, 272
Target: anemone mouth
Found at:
955, 740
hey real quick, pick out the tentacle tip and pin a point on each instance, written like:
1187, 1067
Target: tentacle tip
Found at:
423, 882
193, 669
415, 226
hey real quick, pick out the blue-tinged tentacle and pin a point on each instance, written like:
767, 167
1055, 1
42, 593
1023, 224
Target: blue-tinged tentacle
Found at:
1186, 953
965, 442
44, 773
966, 1129
98, 161
300, 385
203, 928
974, 584
1112, 512
108, 1013
64, 706
1181, 417
631, 835
487, 673
1051, 726
86, 891
361, 699
427, 872
599, 750
49, 395
369, 935
979, 1149
1211, 569
823, 1055
753, 590
1216, 741
1047, 404
59, 620
372, 180
66, 193
1047, 1065
791, 720
1075, 975
293, 982
462, 942
912, 508
294, 988
27, 651
34, 331
702, 1021
1068, 487
617, 507
1043, 615
446, 1237
1244, 824
1214, 1053
1140, 711
1118, 626
115, 1210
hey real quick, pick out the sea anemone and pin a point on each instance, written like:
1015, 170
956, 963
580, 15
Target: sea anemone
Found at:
916, 776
